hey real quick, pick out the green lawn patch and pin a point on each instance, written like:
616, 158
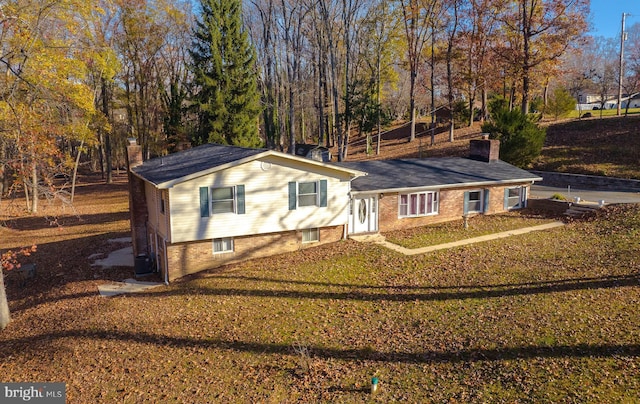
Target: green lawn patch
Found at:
447, 232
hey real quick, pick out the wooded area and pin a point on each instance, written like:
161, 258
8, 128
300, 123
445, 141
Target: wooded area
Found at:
80, 77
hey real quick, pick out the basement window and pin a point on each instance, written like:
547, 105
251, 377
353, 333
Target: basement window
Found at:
311, 235
222, 245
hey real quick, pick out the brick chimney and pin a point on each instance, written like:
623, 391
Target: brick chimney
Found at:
138, 212
134, 153
484, 149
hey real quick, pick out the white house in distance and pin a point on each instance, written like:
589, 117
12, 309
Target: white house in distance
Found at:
211, 205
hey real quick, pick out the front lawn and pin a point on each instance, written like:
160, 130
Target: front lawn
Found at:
479, 225
549, 316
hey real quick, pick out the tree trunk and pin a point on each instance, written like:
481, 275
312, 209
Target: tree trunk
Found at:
5, 316
450, 70
485, 105
432, 84
75, 170
526, 35
34, 181
292, 119
412, 105
378, 115
107, 137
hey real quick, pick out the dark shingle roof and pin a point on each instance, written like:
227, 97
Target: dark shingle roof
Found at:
192, 161
433, 172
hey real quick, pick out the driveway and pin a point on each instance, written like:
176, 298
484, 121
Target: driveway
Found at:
543, 192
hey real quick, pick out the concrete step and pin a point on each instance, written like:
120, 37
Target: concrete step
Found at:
581, 209
368, 238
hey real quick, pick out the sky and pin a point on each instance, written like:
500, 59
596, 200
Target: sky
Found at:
606, 16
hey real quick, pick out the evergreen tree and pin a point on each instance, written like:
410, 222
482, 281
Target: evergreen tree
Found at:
521, 139
561, 104
223, 63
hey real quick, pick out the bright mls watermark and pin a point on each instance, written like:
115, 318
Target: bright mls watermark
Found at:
42, 393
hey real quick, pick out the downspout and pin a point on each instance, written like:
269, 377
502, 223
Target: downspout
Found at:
166, 267
164, 239
345, 227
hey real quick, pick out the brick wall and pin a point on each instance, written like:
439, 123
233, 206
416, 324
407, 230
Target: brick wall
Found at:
451, 208
138, 215
189, 258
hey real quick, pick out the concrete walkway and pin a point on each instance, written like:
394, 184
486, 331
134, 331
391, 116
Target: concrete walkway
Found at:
494, 236
127, 286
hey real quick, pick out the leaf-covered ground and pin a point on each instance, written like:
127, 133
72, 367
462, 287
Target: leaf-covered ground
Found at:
543, 317
606, 146
594, 146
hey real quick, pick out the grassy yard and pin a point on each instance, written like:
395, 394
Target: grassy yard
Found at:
604, 112
543, 317
454, 230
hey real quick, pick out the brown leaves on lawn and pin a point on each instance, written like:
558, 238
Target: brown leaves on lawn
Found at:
543, 317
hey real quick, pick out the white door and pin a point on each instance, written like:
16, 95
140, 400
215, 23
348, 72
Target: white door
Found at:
364, 214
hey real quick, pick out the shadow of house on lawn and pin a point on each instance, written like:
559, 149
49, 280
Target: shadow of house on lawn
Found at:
42, 342
397, 293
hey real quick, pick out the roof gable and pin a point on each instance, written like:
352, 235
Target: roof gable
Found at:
178, 167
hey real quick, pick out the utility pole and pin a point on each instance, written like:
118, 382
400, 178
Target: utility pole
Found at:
623, 37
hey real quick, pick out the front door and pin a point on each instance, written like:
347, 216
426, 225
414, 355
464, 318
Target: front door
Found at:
363, 216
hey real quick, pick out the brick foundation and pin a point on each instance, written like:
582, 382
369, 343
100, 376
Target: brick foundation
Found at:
188, 258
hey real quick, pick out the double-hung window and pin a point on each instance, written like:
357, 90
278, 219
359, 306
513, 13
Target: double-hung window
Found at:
221, 200
418, 204
514, 198
476, 201
308, 193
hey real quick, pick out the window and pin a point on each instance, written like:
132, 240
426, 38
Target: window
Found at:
310, 235
162, 203
303, 194
221, 200
418, 204
222, 245
307, 193
476, 201
514, 198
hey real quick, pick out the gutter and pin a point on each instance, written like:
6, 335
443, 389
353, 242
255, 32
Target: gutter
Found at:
444, 186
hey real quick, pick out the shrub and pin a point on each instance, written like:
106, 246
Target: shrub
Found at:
561, 104
521, 139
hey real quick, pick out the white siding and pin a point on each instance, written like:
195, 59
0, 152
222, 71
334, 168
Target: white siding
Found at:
266, 201
158, 220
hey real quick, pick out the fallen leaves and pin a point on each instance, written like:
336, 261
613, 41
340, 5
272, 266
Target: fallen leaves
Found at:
527, 319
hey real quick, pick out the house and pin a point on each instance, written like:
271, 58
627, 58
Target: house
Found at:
404, 193
211, 205
313, 151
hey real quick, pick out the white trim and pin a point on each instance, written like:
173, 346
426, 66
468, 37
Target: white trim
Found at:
445, 186
435, 203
